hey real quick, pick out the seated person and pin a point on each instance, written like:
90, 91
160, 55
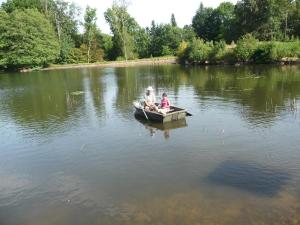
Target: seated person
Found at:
164, 104
149, 99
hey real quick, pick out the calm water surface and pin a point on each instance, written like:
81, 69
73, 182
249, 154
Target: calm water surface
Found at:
72, 152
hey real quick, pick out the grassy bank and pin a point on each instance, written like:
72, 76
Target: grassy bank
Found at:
121, 63
247, 50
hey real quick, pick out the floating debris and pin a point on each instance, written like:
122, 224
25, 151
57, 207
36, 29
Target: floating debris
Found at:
77, 93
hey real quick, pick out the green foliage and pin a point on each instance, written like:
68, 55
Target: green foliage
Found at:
76, 55
247, 21
11, 5
166, 50
106, 44
181, 51
27, 39
267, 20
198, 51
165, 38
124, 29
200, 20
215, 24
267, 52
263, 53
245, 48
90, 30
142, 43
218, 51
173, 20
64, 16
188, 33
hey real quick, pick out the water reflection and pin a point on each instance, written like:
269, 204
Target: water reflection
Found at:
72, 152
46, 102
261, 93
166, 128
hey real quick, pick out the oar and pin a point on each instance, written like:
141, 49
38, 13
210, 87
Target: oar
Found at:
138, 105
145, 113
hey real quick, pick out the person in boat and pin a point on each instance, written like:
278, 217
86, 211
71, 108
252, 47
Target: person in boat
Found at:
165, 104
149, 99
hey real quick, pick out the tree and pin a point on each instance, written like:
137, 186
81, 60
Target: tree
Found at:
106, 43
199, 21
126, 31
64, 16
173, 20
245, 47
165, 38
226, 18
89, 28
23, 42
294, 24
120, 22
11, 5
266, 19
215, 24
188, 33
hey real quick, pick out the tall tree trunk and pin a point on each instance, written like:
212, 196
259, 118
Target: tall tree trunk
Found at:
286, 23
58, 28
46, 7
123, 38
88, 53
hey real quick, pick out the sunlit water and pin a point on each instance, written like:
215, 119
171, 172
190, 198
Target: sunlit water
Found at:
72, 152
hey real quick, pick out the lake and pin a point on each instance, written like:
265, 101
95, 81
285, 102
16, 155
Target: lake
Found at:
72, 152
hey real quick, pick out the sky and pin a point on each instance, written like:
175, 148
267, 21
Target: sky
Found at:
144, 11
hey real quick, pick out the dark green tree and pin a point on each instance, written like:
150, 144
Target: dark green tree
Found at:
41, 5
173, 20
27, 39
199, 21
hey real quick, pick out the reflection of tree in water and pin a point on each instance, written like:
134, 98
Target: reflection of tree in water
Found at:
263, 91
130, 87
97, 89
40, 97
132, 82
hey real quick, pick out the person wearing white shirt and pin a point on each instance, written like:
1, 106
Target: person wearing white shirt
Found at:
149, 99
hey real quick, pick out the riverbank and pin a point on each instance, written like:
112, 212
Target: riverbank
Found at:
149, 61
247, 50
283, 62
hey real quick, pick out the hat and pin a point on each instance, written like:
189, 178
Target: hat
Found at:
149, 88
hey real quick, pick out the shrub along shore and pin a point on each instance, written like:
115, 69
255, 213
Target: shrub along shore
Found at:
247, 50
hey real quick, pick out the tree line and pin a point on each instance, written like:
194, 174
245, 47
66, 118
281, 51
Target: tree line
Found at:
36, 33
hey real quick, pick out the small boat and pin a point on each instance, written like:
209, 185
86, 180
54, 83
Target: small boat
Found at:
174, 114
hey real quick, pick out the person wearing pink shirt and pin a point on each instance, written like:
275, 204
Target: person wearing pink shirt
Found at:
164, 104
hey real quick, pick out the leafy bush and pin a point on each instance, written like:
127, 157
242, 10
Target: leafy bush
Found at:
198, 51
245, 48
166, 50
27, 39
275, 51
286, 49
218, 51
181, 51
263, 53
76, 56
